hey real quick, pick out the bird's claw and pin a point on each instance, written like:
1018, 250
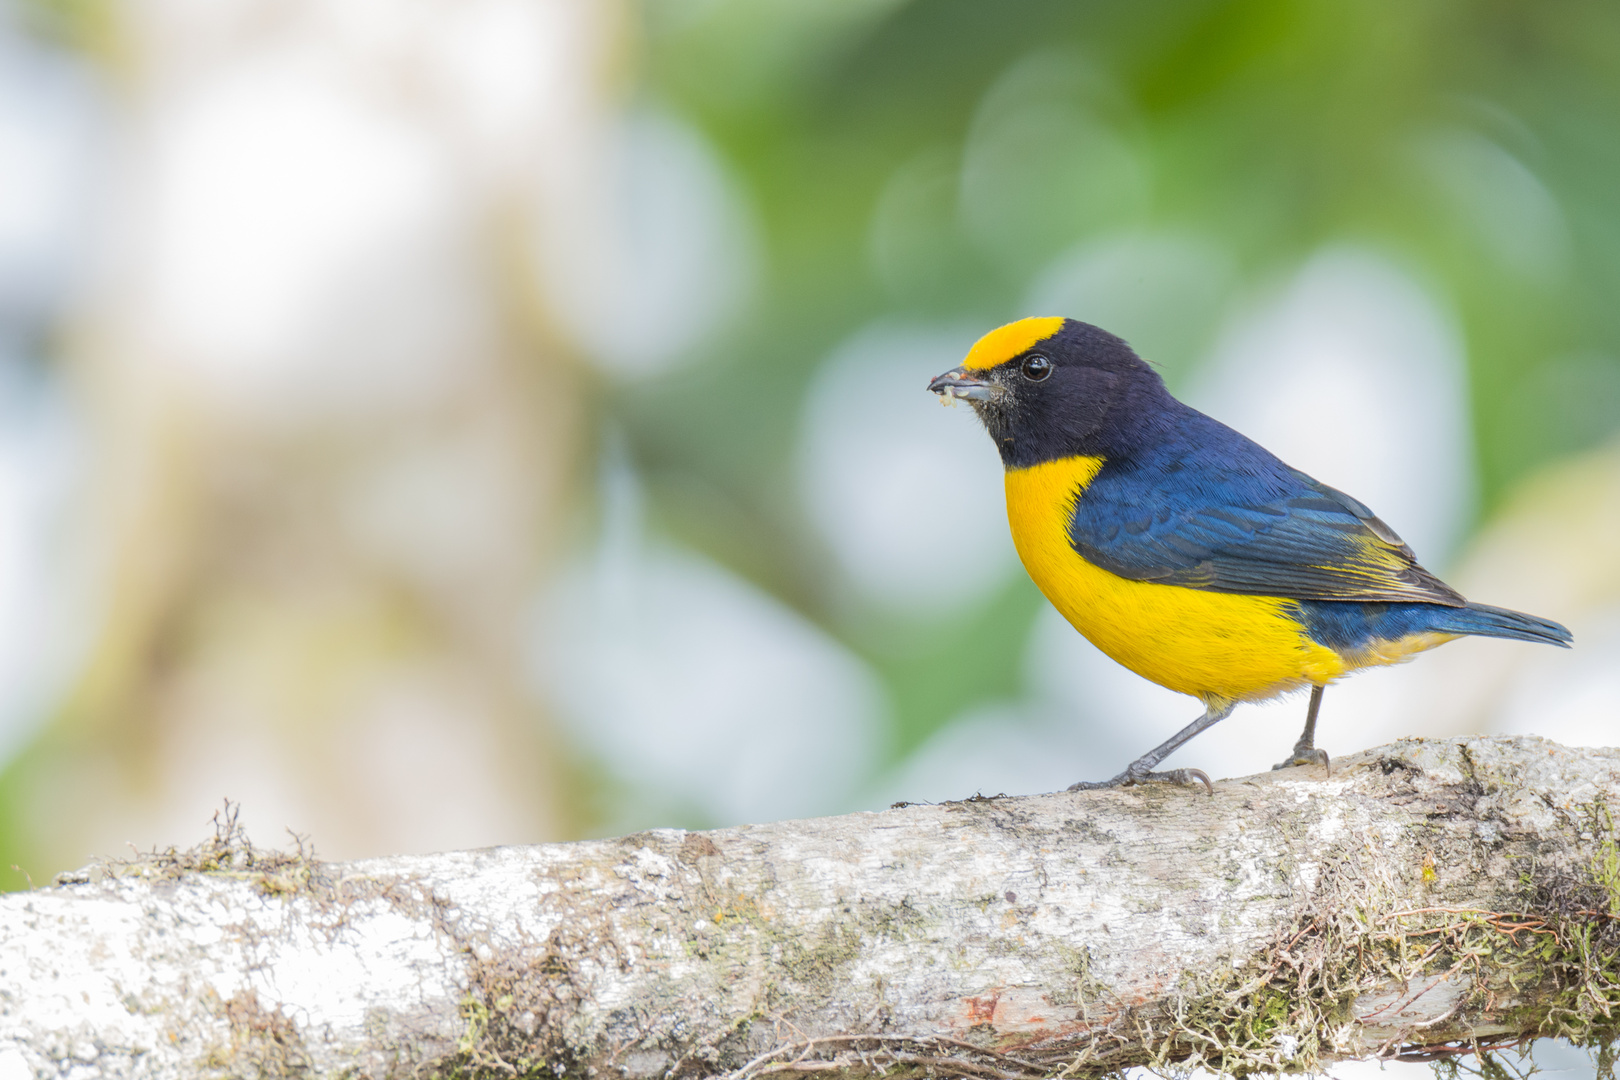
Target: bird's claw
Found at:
1134, 776
1304, 755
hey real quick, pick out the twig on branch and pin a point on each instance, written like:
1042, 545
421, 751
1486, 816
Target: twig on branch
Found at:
1431, 898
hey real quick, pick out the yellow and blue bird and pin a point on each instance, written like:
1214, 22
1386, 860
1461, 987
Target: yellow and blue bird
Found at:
1187, 552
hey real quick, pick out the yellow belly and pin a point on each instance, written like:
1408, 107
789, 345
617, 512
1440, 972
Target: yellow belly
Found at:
1216, 646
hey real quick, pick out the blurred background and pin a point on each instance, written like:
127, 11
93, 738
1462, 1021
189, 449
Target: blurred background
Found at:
441, 423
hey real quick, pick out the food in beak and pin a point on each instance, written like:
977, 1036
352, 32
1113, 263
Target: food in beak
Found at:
957, 383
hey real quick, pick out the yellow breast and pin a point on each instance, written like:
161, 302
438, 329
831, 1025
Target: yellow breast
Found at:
1216, 646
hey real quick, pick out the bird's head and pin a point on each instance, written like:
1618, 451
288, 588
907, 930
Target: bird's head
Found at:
1048, 388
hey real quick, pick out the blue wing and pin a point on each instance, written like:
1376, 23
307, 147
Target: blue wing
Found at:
1225, 515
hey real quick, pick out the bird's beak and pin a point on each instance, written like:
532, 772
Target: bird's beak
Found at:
957, 383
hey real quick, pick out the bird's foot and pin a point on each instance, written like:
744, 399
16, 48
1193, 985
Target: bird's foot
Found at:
1134, 775
1306, 755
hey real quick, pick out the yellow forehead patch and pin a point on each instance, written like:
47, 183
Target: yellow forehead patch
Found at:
1006, 342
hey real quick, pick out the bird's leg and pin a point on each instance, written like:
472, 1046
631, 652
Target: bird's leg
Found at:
1141, 770
1305, 751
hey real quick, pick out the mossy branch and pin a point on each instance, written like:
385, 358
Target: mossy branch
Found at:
1428, 897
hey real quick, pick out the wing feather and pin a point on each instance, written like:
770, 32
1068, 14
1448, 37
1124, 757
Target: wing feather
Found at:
1282, 534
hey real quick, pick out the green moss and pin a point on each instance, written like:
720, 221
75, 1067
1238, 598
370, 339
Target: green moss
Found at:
262, 1042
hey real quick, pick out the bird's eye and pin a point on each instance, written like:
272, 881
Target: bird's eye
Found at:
1036, 367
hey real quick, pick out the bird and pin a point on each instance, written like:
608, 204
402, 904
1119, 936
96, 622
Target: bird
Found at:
1186, 551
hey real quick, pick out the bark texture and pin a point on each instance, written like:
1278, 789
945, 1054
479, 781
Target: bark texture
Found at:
1426, 895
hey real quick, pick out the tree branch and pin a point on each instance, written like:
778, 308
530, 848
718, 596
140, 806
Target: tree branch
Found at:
1429, 896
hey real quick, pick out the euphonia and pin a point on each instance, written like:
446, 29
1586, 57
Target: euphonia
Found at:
1187, 552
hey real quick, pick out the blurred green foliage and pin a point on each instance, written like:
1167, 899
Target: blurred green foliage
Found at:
928, 159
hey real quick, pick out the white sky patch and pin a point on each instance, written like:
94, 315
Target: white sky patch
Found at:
1356, 376
293, 234
50, 141
1572, 698
695, 687
657, 249
42, 616
1002, 749
1118, 714
48, 147
1555, 1059
908, 495
509, 62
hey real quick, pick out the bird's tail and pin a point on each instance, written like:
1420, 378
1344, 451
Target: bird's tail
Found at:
1487, 621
